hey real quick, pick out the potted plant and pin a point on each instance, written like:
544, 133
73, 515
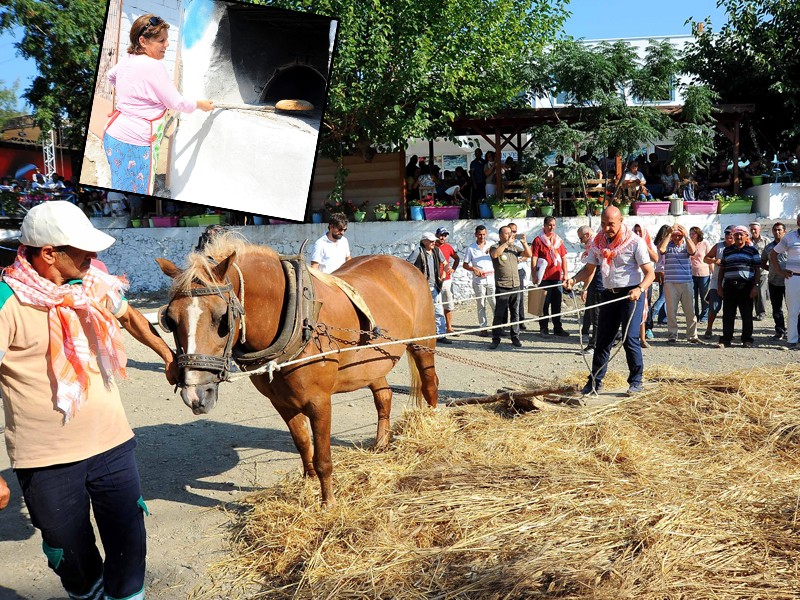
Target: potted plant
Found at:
595, 206
580, 206
394, 212
734, 205
381, 211
546, 206
360, 212
417, 208
445, 210
509, 208
623, 203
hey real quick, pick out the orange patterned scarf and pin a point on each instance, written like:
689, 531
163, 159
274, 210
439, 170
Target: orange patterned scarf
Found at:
605, 250
552, 242
71, 307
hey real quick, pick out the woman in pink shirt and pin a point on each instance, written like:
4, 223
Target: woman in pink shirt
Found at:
144, 92
701, 274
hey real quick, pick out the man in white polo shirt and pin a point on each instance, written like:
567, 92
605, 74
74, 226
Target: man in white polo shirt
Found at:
627, 272
477, 260
332, 250
790, 244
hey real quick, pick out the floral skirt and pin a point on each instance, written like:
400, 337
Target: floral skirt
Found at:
133, 168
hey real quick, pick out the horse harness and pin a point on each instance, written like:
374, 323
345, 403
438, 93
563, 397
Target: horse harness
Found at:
299, 316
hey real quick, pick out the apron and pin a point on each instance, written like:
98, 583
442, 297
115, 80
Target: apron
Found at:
133, 168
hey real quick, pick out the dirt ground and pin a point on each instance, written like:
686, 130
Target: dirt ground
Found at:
191, 466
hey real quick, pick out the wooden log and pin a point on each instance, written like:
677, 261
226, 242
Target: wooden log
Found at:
517, 398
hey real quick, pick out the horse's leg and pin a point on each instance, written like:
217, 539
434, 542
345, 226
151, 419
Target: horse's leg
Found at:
318, 410
298, 427
424, 358
382, 394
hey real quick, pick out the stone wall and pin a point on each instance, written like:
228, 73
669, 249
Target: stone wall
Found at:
135, 252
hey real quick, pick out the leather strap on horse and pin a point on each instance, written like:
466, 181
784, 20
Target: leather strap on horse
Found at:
300, 313
352, 293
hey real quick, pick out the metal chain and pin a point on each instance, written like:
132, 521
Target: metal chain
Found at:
499, 370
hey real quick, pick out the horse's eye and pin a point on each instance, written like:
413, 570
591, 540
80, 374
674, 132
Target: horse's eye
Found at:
166, 322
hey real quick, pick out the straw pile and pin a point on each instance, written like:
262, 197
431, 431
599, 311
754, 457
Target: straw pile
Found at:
688, 491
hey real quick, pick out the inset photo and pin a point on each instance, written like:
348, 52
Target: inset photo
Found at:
210, 102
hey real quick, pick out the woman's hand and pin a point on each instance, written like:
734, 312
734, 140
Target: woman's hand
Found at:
205, 105
5, 494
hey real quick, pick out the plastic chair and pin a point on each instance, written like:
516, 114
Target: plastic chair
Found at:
780, 170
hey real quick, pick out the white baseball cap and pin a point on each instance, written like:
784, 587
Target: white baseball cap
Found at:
61, 223
428, 236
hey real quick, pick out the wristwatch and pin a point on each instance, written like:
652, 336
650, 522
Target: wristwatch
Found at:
641, 289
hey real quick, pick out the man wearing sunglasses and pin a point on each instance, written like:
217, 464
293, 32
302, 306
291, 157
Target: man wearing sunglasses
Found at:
332, 250
67, 435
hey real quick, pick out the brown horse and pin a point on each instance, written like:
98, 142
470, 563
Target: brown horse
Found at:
205, 311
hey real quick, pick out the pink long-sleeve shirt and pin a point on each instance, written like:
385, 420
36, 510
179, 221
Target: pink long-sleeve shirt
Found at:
144, 91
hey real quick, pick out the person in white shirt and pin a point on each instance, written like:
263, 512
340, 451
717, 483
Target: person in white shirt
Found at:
790, 244
478, 261
635, 181
627, 272
332, 250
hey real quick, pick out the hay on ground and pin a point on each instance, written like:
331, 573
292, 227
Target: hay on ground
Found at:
690, 490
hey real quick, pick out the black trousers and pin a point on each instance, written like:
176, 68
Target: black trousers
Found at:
776, 294
58, 499
505, 304
737, 298
552, 305
591, 315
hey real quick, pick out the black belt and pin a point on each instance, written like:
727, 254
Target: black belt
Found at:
621, 290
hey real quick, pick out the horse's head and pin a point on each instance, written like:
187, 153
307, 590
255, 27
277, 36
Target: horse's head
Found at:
203, 314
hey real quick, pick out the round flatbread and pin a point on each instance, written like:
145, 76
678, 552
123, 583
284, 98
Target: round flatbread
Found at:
293, 105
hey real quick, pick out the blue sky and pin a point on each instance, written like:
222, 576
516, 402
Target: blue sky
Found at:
591, 19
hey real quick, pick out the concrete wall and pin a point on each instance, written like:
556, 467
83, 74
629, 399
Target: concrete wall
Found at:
136, 249
776, 200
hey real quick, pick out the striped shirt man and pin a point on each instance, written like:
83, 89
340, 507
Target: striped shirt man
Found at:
677, 264
740, 263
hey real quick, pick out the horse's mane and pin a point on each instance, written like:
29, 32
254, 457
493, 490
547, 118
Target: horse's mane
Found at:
198, 267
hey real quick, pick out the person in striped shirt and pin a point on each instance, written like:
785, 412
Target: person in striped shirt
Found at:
677, 249
738, 280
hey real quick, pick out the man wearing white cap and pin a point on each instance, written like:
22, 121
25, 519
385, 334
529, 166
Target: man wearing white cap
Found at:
429, 260
67, 435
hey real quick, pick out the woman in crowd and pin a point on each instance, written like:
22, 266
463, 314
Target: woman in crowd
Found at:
144, 92
701, 274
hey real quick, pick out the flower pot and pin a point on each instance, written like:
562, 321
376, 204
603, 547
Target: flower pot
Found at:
509, 211
417, 213
258, 220
316, 217
625, 209
546, 210
394, 215
484, 211
443, 213
700, 207
737, 207
359, 216
580, 209
758, 180
651, 208
136, 222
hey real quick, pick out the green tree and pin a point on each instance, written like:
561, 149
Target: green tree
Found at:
63, 37
8, 102
755, 58
593, 78
407, 68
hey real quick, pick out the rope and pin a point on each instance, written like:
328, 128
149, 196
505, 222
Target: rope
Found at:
519, 291
593, 375
272, 366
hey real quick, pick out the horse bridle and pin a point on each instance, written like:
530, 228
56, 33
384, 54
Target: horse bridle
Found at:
205, 362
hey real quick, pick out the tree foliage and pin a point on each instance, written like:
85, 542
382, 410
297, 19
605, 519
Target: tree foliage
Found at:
63, 37
407, 68
599, 82
755, 58
8, 102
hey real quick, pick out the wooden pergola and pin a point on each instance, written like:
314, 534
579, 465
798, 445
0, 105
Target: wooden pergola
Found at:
507, 127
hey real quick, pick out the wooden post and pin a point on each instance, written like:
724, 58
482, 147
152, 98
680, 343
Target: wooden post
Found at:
736, 157
498, 161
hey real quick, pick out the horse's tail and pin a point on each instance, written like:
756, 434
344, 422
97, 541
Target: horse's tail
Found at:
415, 387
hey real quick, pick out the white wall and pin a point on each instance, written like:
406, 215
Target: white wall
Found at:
136, 249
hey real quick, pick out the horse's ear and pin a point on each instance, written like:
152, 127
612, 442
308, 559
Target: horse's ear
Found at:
168, 267
220, 270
